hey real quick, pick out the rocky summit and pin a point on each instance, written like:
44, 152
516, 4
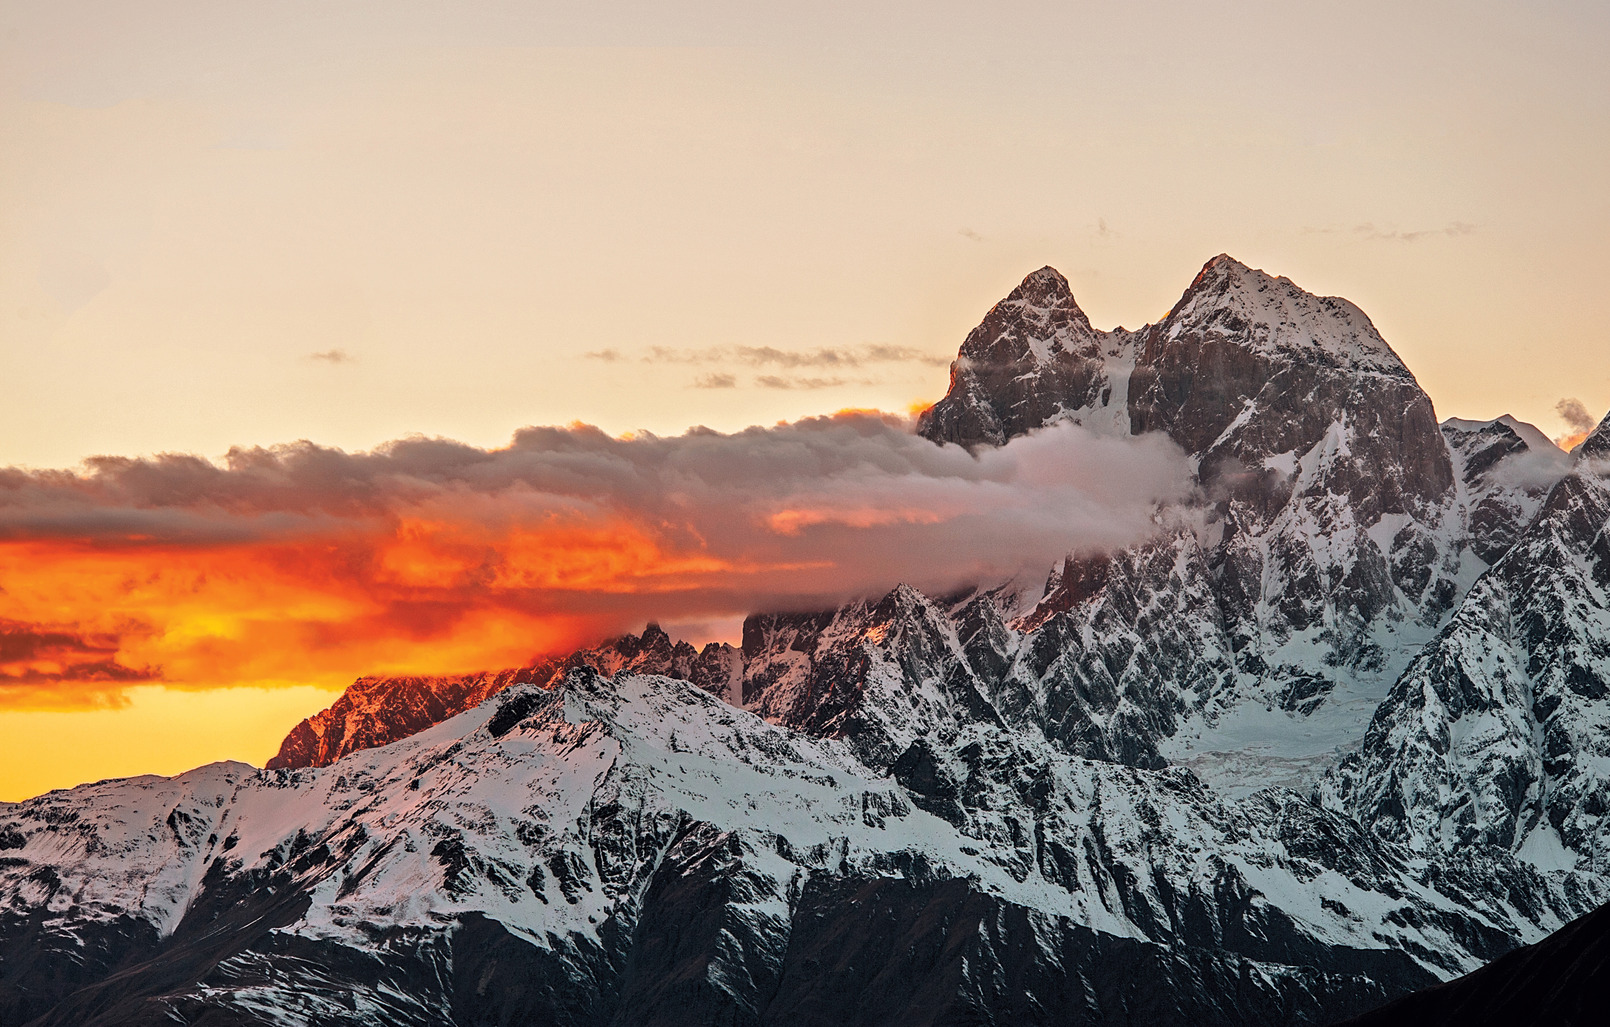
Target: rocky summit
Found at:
1336, 732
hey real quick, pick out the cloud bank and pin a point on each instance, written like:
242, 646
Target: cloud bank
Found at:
303, 564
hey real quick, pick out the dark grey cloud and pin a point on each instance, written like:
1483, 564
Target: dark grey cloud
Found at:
42, 654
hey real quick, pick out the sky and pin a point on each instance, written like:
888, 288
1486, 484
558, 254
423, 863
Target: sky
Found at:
266, 240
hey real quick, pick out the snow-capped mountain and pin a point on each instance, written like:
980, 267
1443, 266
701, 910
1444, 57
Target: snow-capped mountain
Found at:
1092, 800
1506, 468
1335, 536
1499, 732
634, 850
1034, 359
374, 711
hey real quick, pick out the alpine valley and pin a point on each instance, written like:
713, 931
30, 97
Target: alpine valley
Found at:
1337, 732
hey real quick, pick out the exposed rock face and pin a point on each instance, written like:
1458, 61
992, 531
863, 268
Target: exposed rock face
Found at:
636, 851
1498, 733
1597, 445
375, 711
1034, 359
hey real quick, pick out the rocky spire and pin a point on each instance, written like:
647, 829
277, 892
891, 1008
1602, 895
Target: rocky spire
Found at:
1033, 358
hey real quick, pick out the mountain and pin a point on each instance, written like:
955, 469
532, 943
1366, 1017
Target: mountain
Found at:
1506, 468
1334, 538
378, 710
1332, 735
1034, 359
634, 850
375, 711
1562, 981
1498, 733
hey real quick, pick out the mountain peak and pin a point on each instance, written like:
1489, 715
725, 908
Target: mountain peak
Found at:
1223, 262
1045, 284
1529, 434
1043, 302
1270, 314
1037, 334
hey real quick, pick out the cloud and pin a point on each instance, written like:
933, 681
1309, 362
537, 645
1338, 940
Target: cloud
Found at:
332, 356
1577, 419
46, 654
968, 233
1575, 414
772, 381
608, 356
715, 380
771, 356
304, 564
1453, 229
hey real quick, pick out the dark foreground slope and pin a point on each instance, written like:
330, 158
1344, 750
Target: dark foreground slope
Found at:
1562, 981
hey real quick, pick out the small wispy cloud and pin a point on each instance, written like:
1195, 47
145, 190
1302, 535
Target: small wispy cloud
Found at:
715, 381
1105, 231
1452, 230
332, 356
772, 381
968, 233
826, 357
1369, 232
608, 356
1578, 420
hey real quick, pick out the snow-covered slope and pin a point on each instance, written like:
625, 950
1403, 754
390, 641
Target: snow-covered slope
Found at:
1506, 468
1499, 733
376, 710
1564, 979
637, 851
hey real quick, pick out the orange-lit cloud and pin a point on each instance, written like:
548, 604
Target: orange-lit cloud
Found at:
307, 565
1578, 421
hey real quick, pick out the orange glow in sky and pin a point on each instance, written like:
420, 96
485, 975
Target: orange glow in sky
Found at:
259, 634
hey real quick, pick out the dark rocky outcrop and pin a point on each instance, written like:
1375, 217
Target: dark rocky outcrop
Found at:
1562, 981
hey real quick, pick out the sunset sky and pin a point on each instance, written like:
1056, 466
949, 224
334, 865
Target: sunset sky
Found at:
225, 228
